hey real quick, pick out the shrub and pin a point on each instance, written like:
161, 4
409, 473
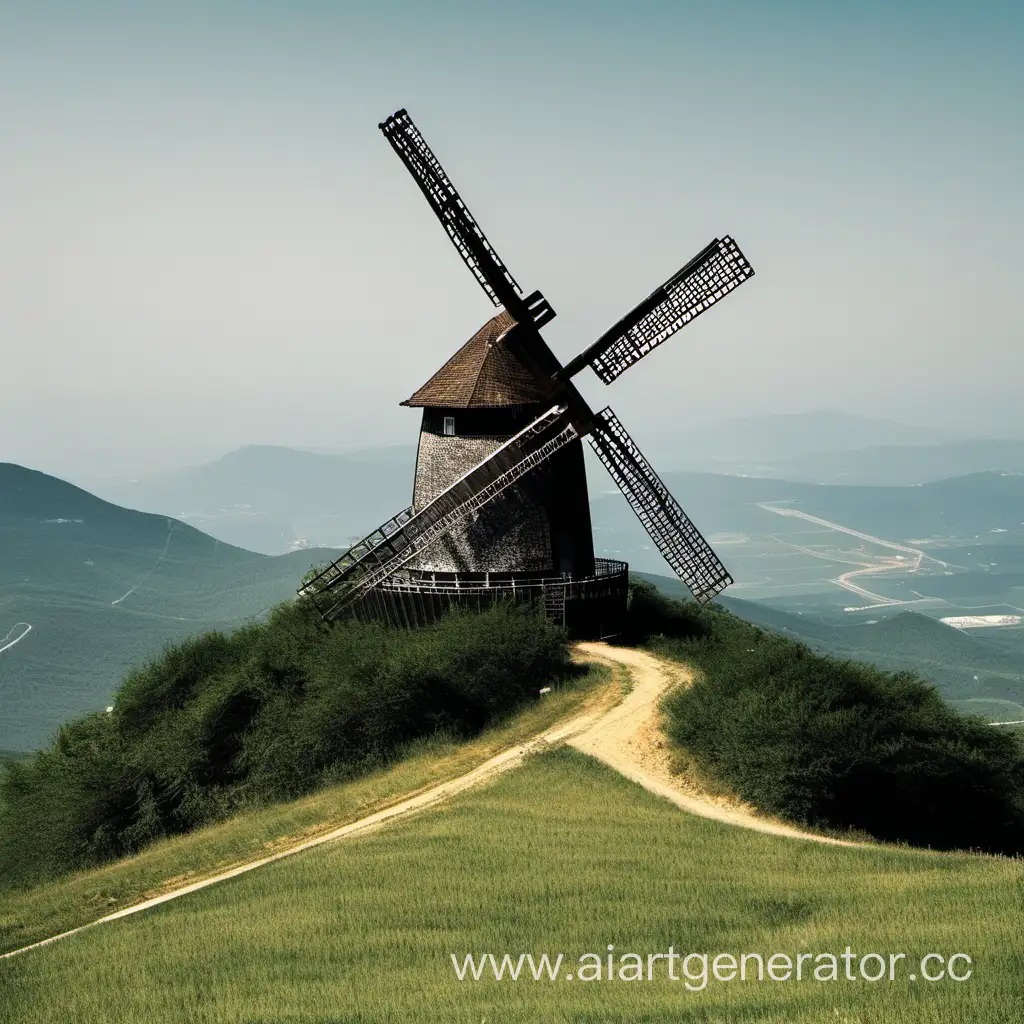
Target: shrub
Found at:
834, 743
273, 710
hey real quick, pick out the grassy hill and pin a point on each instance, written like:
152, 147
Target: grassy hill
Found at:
224, 722
104, 588
30, 912
980, 674
905, 640
562, 855
831, 742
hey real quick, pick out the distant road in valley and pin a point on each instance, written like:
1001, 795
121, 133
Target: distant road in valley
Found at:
901, 563
10, 640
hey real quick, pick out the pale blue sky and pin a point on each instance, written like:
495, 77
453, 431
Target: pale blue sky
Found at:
205, 241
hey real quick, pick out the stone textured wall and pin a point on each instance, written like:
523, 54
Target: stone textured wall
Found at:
511, 534
442, 460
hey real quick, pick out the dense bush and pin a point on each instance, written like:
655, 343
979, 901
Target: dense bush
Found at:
834, 743
271, 711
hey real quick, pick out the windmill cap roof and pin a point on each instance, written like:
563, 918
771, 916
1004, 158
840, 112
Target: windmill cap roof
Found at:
483, 374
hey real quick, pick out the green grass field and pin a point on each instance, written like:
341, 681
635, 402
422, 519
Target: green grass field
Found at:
562, 855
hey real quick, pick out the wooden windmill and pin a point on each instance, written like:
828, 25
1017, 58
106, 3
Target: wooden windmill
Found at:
500, 498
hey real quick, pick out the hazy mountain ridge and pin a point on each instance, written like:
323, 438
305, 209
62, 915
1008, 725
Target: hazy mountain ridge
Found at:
30, 500
103, 588
788, 436
272, 499
898, 465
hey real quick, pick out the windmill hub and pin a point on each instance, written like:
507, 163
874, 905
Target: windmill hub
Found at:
500, 506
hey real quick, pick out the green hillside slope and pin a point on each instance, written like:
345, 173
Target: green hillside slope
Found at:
980, 673
104, 588
226, 722
963, 666
560, 856
831, 742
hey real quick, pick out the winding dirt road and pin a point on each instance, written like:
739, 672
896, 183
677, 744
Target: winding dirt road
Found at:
629, 739
625, 736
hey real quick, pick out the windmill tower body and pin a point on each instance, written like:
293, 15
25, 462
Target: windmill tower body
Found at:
539, 527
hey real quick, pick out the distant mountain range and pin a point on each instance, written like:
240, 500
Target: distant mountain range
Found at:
274, 499
103, 588
784, 437
895, 465
831, 447
965, 507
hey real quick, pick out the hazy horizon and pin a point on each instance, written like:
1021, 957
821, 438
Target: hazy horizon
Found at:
207, 243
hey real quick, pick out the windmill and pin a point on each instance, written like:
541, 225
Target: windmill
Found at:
500, 451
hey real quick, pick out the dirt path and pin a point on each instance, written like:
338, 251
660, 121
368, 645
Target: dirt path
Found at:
625, 736
497, 765
629, 739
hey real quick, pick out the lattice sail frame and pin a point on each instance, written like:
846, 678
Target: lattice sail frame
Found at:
468, 238
395, 544
327, 578
679, 541
708, 277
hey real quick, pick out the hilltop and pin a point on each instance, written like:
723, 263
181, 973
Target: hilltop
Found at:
109, 590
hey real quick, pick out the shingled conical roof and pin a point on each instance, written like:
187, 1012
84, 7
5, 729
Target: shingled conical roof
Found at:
483, 374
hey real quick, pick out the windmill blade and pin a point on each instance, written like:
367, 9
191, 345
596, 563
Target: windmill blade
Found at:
327, 578
467, 237
714, 272
679, 541
386, 550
